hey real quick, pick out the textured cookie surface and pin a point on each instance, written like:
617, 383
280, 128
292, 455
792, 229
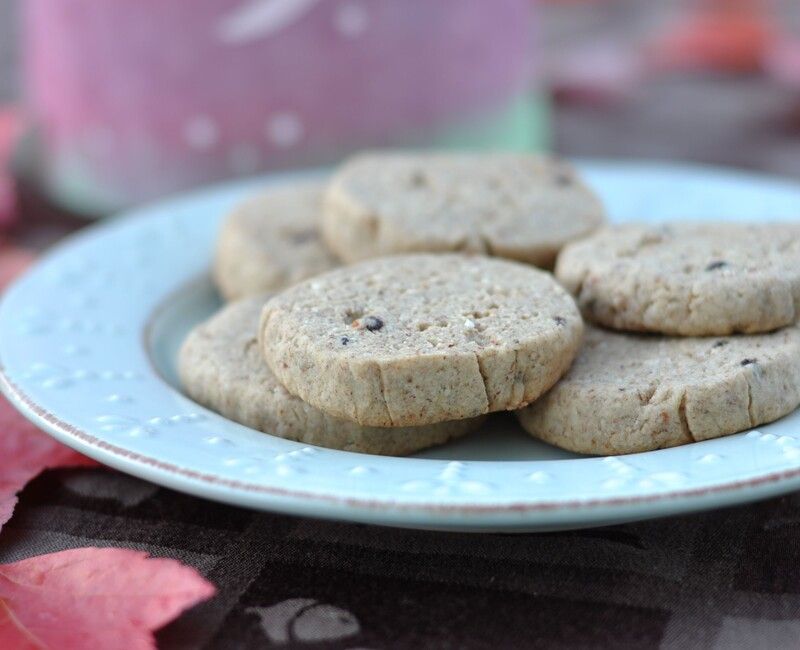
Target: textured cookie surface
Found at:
522, 207
417, 339
691, 279
272, 241
222, 368
628, 393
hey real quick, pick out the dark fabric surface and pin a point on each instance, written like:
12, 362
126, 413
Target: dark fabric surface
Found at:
726, 579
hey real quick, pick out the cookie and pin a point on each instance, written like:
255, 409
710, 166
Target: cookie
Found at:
271, 241
518, 206
691, 279
417, 339
629, 393
222, 368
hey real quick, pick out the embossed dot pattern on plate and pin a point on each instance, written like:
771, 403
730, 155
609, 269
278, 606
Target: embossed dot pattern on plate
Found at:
88, 340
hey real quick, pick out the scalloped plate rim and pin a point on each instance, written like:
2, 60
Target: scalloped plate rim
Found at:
482, 514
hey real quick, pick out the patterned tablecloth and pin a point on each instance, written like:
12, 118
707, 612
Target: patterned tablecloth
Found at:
726, 579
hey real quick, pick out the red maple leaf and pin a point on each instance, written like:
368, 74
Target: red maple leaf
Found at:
720, 35
24, 453
82, 598
93, 598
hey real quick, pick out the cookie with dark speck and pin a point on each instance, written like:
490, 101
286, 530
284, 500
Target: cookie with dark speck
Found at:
628, 393
519, 206
222, 368
428, 338
272, 241
690, 279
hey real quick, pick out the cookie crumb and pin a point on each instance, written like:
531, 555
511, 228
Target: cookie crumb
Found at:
468, 324
747, 362
718, 264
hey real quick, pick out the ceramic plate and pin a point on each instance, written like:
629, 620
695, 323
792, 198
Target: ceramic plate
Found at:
88, 341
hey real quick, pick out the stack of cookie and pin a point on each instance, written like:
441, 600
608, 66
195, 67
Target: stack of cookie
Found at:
519, 207
426, 329
415, 344
719, 303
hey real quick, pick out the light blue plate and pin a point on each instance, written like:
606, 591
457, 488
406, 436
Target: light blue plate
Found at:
88, 340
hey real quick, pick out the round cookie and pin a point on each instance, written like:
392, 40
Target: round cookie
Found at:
519, 206
271, 241
630, 393
222, 368
418, 339
691, 279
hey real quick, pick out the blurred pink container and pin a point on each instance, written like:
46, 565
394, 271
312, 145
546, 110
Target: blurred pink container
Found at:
137, 98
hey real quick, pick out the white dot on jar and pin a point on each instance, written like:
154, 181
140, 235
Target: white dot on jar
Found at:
351, 19
284, 130
244, 159
200, 132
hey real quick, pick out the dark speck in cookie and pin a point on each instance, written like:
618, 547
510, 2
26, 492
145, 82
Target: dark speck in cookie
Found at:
563, 178
560, 320
344, 340
747, 362
372, 323
720, 344
418, 179
718, 264
304, 236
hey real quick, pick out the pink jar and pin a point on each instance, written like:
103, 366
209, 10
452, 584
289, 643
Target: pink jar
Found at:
137, 98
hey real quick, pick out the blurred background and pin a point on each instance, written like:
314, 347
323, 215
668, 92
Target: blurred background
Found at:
108, 104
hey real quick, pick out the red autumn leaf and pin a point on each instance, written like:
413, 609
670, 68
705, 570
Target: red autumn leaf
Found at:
730, 37
25, 452
93, 598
